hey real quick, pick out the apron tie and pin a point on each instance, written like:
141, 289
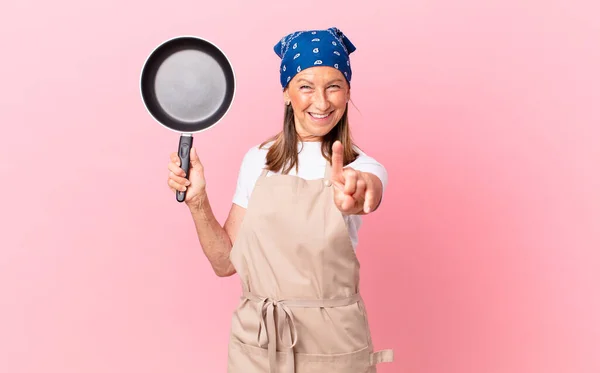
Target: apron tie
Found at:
284, 321
283, 324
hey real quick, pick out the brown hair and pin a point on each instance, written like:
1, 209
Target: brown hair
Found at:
284, 150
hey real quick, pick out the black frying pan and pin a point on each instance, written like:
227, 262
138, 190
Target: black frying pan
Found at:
187, 85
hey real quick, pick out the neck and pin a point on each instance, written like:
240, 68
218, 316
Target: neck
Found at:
309, 138
312, 139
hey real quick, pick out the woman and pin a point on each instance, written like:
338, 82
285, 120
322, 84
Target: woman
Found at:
292, 229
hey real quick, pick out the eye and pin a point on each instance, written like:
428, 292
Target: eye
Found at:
334, 86
304, 87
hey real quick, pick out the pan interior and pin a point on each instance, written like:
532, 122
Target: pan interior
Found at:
190, 86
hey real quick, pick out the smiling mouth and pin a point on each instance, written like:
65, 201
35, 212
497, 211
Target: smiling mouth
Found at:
320, 116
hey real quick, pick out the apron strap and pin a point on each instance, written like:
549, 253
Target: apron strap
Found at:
382, 356
327, 170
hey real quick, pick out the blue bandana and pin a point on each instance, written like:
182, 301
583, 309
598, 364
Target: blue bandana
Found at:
303, 49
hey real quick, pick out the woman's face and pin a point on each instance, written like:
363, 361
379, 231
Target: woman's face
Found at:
318, 96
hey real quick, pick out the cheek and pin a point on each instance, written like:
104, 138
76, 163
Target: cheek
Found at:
339, 99
300, 102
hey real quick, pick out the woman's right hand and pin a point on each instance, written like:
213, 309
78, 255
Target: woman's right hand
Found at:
194, 185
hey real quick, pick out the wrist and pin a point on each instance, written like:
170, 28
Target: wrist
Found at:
197, 203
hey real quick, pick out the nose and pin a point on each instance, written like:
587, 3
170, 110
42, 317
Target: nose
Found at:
320, 100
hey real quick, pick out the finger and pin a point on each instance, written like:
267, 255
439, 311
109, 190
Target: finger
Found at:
176, 185
337, 160
361, 186
175, 159
350, 178
348, 203
176, 169
178, 179
338, 186
369, 197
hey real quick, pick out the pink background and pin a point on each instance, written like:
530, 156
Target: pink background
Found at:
483, 258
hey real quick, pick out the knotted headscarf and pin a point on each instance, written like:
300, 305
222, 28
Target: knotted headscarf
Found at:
301, 50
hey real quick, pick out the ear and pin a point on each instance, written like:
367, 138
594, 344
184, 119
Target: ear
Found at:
286, 96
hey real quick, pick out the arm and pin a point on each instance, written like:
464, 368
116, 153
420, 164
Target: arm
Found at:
217, 240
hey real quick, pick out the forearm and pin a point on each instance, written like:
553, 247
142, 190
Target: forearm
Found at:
214, 239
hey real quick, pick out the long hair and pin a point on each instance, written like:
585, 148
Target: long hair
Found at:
283, 153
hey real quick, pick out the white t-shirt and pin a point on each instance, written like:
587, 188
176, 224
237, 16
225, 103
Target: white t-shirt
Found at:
311, 165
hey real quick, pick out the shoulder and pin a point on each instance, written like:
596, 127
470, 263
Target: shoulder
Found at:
367, 163
256, 154
254, 160
363, 156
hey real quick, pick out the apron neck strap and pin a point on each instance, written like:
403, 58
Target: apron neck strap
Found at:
327, 170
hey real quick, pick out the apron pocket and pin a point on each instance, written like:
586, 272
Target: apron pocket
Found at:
350, 362
245, 358
251, 359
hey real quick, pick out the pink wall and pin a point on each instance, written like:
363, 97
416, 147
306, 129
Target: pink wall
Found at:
484, 257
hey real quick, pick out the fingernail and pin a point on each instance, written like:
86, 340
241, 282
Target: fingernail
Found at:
187, 182
183, 189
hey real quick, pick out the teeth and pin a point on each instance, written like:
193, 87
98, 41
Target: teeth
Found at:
319, 116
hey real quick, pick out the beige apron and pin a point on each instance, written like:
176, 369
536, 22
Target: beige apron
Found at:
301, 310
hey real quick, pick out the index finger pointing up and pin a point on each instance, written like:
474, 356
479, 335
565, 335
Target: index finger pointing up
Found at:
337, 160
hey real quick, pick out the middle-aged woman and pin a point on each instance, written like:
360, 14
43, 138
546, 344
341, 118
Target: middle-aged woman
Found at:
292, 229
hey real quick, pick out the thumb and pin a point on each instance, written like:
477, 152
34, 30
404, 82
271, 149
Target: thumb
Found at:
194, 159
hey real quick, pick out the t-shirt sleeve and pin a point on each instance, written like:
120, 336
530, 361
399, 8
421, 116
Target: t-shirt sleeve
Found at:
242, 192
248, 173
366, 163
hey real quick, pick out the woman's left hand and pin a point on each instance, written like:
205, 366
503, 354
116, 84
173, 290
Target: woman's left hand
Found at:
355, 192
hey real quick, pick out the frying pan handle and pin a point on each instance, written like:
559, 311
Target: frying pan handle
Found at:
185, 144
